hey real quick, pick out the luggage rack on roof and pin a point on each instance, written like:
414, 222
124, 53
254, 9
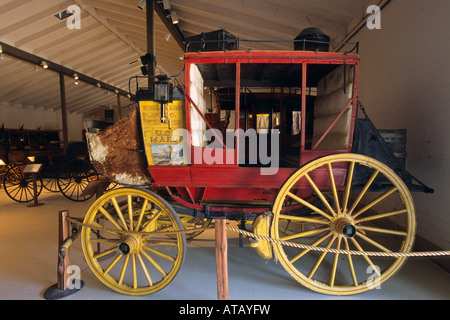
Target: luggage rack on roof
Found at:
310, 39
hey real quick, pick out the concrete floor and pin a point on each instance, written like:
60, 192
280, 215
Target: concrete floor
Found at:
28, 255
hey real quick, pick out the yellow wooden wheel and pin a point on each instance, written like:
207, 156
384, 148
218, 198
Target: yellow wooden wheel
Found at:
375, 215
133, 262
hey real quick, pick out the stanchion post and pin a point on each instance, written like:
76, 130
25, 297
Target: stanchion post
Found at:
33, 169
61, 288
64, 260
222, 258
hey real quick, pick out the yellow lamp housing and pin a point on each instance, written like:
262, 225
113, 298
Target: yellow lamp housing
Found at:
161, 148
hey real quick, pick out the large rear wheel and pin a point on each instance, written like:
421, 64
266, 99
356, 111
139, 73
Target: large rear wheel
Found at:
376, 215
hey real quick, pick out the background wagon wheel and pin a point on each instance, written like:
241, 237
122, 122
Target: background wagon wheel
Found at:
19, 186
50, 184
73, 178
377, 215
138, 263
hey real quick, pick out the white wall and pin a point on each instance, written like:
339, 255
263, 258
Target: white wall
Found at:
14, 117
405, 84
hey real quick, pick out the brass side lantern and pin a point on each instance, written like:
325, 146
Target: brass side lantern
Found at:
163, 93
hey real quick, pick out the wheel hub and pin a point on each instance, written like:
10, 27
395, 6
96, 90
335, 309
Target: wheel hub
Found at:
131, 244
344, 227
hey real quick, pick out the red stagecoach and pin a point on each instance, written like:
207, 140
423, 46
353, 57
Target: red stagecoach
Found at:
267, 138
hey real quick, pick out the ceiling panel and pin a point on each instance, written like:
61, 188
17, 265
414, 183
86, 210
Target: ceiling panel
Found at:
113, 37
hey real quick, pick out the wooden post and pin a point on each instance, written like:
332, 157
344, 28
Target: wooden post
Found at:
35, 195
222, 258
61, 289
150, 16
119, 108
62, 90
63, 260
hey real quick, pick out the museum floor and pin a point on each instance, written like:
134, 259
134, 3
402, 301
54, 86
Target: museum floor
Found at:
28, 255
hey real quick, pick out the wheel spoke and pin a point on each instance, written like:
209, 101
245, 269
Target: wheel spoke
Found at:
333, 187
110, 219
112, 264
307, 204
319, 194
304, 219
149, 223
305, 251
153, 262
322, 256
373, 242
130, 211
385, 231
381, 216
348, 187
21, 194
144, 268
350, 264
141, 215
16, 188
124, 268
104, 253
376, 201
106, 230
368, 260
119, 213
335, 262
162, 242
28, 193
134, 271
165, 256
304, 234
364, 190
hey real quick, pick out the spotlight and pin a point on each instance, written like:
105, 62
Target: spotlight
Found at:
146, 59
166, 4
76, 82
64, 14
1, 49
174, 16
75, 76
44, 65
144, 71
142, 4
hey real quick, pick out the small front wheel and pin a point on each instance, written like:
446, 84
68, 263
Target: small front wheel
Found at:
123, 254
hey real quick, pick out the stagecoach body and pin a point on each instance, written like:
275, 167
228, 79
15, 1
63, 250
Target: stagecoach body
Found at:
251, 86
268, 138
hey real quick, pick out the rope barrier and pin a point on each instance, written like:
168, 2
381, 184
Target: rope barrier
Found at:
272, 240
